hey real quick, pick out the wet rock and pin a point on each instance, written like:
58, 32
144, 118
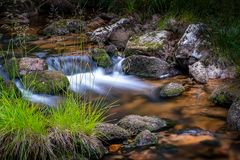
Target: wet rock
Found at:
45, 82
112, 133
101, 57
145, 138
233, 117
170, 90
102, 34
120, 37
143, 66
18, 67
150, 44
193, 45
135, 123
215, 72
198, 72
64, 26
226, 94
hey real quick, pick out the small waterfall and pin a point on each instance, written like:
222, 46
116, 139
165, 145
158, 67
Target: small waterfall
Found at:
70, 65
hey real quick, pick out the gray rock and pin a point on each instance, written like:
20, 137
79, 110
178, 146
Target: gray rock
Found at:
112, 132
145, 138
233, 118
151, 44
102, 34
170, 90
194, 132
198, 72
176, 26
64, 26
18, 67
135, 123
143, 66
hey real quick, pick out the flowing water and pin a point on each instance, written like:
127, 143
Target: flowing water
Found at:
136, 96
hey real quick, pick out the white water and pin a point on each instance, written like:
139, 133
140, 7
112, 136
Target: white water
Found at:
97, 80
102, 83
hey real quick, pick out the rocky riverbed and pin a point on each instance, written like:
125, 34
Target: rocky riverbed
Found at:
169, 83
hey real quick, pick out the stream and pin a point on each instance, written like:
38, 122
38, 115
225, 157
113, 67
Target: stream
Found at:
136, 96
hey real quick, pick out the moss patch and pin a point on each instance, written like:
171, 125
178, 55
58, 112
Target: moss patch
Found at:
101, 57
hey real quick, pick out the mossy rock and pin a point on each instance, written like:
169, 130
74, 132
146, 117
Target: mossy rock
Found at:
226, 94
46, 82
64, 26
170, 90
150, 44
101, 57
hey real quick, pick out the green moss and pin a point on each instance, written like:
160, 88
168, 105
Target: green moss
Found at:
101, 57
46, 82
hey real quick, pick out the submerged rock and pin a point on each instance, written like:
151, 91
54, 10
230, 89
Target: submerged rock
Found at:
143, 66
145, 138
45, 82
102, 34
150, 44
170, 90
64, 26
198, 72
112, 133
18, 67
233, 117
136, 124
101, 57
194, 132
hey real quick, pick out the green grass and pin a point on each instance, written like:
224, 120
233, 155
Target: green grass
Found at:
27, 131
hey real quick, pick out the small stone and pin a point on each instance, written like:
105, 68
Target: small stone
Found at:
112, 132
145, 138
171, 90
135, 123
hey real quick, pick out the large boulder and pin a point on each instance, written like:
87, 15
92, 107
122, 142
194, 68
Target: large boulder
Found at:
151, 44
136, 124
193, 45
101, 57
194, 52
144, 66
233, 117
198, 72
64, 26
170, 90
111, 132
18, 67
45, 82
